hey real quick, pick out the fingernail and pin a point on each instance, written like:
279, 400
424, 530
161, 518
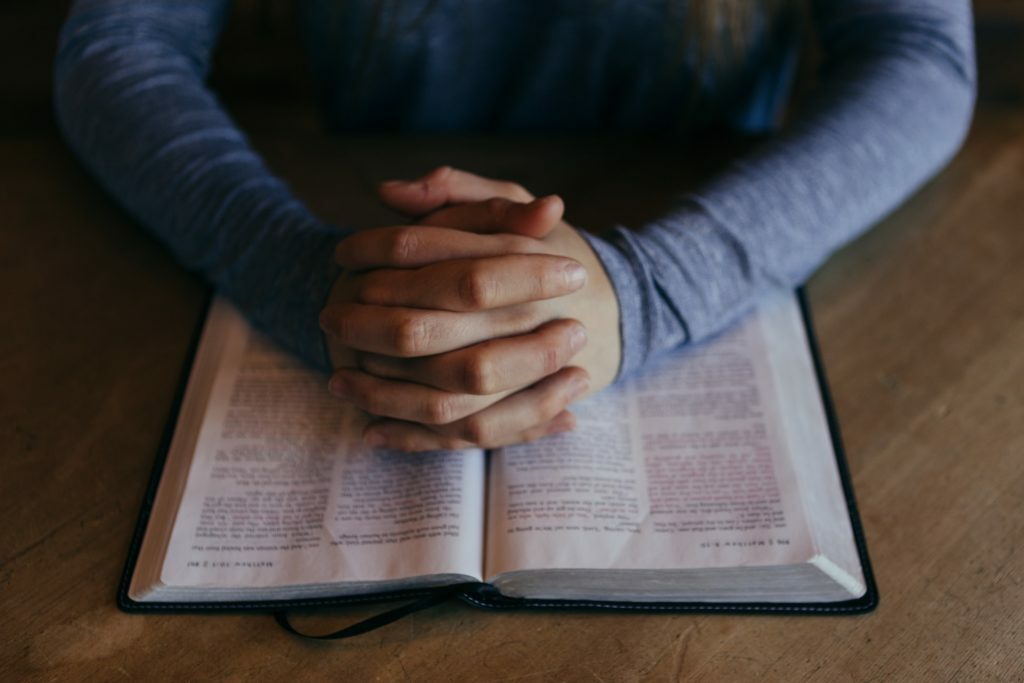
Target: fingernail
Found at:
577, 338
562, 423
373, 439
575, 275
549, 199
579, 385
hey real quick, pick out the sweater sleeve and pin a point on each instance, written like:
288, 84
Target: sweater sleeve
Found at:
894, 104
131, 99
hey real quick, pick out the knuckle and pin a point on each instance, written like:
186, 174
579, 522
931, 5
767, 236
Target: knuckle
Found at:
476, 289
435, 182
478, 375
550, 403
403, 244
441, 410
411, 336
476, 430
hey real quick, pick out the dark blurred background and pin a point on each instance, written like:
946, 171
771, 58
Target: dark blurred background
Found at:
260, 70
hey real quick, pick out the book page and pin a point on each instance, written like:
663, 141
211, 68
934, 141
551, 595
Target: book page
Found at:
281, 492
808, 436
687, 466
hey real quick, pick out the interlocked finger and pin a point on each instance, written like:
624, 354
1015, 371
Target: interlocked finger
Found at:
446, 185
518, 417
405, 400
412, 332
498, 214
489, 367
414, 246
472, 284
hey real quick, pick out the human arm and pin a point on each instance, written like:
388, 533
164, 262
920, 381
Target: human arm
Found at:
131, 100
893, 104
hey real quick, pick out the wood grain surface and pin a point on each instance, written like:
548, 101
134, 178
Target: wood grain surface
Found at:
922, 331
921, 324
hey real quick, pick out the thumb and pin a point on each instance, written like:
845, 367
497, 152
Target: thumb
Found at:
446, 185
496, 215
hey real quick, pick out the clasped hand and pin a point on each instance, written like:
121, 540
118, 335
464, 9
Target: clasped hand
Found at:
459, 330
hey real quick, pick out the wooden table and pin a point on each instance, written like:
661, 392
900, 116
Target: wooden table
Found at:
922, 331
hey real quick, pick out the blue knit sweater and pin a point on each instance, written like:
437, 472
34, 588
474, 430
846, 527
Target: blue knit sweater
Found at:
894, 103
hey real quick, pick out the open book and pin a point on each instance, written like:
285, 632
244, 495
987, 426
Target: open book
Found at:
711, 480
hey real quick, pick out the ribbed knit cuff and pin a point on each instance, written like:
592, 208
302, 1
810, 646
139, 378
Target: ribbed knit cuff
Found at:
633, 288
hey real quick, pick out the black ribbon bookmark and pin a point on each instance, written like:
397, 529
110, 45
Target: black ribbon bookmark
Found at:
378, 620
